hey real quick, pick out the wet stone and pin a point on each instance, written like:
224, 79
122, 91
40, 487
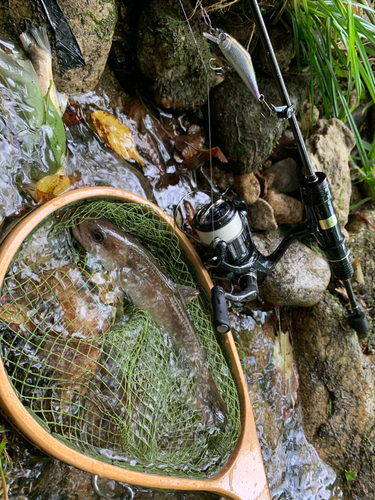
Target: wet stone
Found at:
261, 216
285, 148
329, 148
283, 45
362, 249
245, 129
287, 210
167, 56
293, 468
299, 278
93, 24
336, 393
287, 175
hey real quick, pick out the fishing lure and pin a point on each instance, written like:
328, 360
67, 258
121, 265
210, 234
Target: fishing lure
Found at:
241, 61
239, 58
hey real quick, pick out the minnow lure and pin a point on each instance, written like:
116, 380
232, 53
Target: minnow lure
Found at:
239, 58
241, 61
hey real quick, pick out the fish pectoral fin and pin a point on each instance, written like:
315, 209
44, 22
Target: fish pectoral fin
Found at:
188, 293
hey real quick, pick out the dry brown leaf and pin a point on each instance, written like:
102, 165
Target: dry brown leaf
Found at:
116, 135
358, 273
51, 186
204, 155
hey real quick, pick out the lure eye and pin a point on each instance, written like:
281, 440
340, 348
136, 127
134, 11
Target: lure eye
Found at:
222, 36
98, 236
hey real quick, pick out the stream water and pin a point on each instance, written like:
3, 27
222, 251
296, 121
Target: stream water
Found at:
293, 467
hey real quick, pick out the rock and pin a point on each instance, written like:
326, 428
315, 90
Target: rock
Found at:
265, 179
285, 148
167, 55
287, 175
287, 210
300, 277
246, 131
362, 249
247, 187
309, 119
283, 45
93, 24
329, 148
261, 216
336, 393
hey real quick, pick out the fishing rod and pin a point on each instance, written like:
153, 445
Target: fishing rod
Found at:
222, 224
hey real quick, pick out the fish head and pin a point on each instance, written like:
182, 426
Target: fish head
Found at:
103, 240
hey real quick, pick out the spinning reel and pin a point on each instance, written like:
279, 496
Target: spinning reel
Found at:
223, 228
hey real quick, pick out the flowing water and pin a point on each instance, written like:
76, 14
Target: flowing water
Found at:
293, 467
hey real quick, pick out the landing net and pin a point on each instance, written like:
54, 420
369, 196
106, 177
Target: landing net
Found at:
95, 371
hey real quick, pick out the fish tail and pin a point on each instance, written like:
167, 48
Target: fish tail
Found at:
39, 37
36, 36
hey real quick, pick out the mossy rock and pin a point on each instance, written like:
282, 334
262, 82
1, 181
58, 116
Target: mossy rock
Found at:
245, 129
174, 60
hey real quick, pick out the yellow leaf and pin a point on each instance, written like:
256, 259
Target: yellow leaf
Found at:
51, 186
283, 354
116, 135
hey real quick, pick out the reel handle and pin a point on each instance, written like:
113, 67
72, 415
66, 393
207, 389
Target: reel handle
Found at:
220, 318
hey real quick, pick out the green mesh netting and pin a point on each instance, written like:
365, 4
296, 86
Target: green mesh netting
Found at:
97, 372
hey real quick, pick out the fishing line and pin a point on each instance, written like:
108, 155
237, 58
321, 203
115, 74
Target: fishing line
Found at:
206, 18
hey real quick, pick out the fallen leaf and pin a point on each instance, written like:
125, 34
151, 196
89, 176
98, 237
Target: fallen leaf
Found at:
188, 145
204, 155
13, 313
283, 354
116, 135
51, 186
342, 291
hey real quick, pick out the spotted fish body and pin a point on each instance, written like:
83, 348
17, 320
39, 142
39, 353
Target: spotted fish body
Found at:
140, 276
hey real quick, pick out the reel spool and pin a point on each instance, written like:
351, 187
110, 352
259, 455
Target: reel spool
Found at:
241, 477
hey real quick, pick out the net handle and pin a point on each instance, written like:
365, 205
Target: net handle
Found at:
241, 478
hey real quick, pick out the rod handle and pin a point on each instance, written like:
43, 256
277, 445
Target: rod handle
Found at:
359, 322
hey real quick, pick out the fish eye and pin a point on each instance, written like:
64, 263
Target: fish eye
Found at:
98, 236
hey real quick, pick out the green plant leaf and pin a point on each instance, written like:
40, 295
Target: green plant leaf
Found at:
356, 205
350, 475
336, 43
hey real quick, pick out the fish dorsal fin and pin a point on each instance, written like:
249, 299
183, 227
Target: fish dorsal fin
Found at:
187, 292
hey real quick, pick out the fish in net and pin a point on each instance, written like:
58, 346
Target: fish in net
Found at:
98, 372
